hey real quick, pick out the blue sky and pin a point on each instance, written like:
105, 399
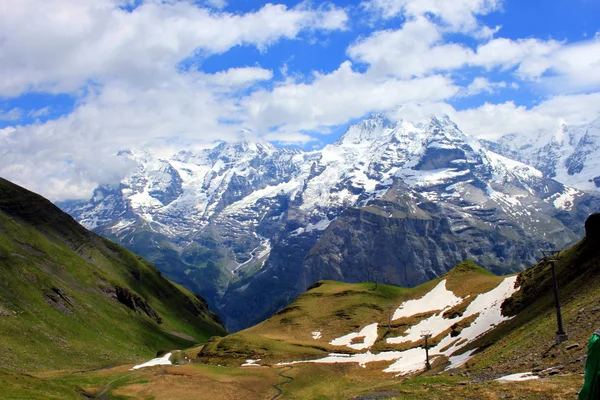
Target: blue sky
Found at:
82, 79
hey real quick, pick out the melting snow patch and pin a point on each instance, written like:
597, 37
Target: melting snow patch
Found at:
164, 360
486, 307
316, 335
523, 376
460, 360
360, 359
251, 363
369, 332
439, 298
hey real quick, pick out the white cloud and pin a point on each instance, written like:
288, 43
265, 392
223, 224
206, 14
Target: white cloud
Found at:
59, 45
491, 121
482, 85
416, 49
234, 77
219, 4
528, 55
13, 114
334, 98
456, 15
42, 112
574, 68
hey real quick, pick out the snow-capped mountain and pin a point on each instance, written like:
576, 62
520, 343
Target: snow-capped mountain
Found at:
569, 154
250, 226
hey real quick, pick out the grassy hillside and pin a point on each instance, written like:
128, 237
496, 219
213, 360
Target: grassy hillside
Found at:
334, 309
71, 300
527, 341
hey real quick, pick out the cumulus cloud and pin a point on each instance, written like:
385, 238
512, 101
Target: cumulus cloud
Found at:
334, 98
491, 121
457, 15
234, 77
136, 72
59, 45
416, 49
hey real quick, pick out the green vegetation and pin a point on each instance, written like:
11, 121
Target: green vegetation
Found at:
61, 323
58, 295
335, 309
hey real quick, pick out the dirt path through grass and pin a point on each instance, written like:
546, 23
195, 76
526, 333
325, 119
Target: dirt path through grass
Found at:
287, 378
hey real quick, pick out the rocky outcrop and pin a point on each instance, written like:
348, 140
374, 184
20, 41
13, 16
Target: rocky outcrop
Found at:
58, 299
136, 303
592, 227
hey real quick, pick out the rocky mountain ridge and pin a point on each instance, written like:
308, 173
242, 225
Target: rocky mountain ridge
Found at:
250, 226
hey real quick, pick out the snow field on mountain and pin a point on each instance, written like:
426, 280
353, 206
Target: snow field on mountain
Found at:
485, 308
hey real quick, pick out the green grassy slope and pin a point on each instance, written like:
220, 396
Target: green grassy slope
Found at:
335, 309
59, 295
527, 342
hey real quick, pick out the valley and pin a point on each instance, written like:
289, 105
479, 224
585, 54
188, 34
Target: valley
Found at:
250, 226
335, 341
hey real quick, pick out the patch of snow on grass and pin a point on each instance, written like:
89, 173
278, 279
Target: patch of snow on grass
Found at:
369, 333
460, 360
251, 363
439, 298
316, 335
360, 359
164, 360
522, 376
411, 360
486, 307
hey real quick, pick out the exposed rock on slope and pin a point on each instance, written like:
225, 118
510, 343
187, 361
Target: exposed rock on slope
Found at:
75, 300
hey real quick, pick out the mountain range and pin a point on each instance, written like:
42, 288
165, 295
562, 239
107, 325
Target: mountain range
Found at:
76, 312
250, 226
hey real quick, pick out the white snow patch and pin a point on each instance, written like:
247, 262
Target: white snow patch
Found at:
565, 201
460, 360
316, 335
416, 178
369, 333
486, 305
522, 376
439, 298
360, 359
411, 360
164, 360
251, 363
319, 226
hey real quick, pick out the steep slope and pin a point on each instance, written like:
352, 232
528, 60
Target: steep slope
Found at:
250, 226
569, 154
70, 299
